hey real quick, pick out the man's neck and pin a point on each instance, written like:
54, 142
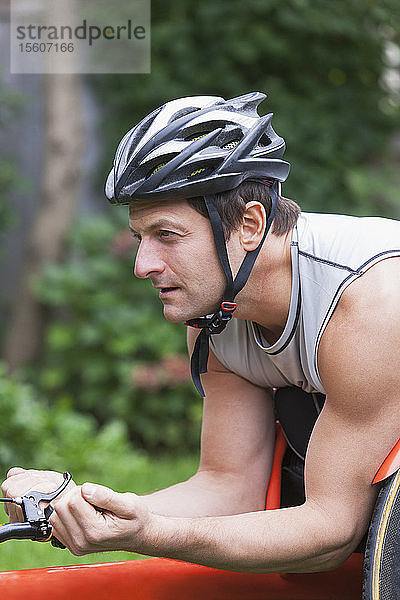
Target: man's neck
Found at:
265, 299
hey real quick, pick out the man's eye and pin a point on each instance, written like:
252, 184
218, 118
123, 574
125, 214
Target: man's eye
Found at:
163, 233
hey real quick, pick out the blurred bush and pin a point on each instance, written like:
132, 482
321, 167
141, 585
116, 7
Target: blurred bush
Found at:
36, 434
108, 352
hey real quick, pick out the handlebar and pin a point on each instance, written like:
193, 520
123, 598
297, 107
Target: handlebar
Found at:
18, 531
36, 525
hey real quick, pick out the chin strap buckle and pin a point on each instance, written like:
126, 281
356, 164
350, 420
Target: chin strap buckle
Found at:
229, 306
217, 322
221, 318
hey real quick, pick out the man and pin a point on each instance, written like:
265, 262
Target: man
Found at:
290, 300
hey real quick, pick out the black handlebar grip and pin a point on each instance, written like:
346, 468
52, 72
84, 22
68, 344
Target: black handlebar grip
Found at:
17, 531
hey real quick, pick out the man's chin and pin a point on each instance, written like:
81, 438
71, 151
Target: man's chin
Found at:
173, 316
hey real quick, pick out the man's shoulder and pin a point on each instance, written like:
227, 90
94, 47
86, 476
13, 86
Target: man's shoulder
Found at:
358, 354
345, 241
368, 312
377, 288
335, 221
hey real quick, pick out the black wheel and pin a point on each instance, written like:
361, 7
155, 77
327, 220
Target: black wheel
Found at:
382, 553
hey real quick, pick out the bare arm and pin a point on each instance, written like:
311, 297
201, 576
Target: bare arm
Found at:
236, 450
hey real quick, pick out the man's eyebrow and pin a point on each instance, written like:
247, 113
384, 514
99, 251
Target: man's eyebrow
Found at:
159, 224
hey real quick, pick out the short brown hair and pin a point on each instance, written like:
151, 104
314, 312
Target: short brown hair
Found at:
231, 206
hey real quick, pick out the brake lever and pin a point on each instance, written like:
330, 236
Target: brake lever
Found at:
30, 502
36, 516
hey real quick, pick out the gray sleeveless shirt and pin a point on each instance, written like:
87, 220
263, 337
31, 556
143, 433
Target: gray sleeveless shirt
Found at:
328, 252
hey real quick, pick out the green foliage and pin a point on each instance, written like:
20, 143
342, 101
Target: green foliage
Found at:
37, 434
108, 351
321, 62
376, 189
22, 420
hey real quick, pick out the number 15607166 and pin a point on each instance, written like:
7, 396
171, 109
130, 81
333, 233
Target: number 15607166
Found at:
46, 47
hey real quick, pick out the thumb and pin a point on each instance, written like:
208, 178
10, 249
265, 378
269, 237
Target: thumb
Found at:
105, 498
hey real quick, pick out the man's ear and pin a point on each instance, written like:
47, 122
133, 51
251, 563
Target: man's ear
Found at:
253, 225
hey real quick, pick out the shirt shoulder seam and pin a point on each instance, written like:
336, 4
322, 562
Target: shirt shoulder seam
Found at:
330, 263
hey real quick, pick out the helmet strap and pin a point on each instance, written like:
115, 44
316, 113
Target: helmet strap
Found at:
216, 323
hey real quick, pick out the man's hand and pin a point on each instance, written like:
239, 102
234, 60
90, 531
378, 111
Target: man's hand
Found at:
93, 518
20, 481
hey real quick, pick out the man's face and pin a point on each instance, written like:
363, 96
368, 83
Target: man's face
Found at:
177, 253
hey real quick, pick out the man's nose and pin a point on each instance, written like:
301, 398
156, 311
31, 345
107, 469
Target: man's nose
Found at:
147, 261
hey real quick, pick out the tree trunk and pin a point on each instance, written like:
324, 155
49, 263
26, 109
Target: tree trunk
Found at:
59, 198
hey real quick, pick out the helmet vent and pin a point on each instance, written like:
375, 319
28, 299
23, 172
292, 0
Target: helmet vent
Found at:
157, 166
230, 145
184, 111
196, 172
196, 136
156, 169
264, 140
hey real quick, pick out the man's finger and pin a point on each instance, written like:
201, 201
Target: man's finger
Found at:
15, 471
14, 513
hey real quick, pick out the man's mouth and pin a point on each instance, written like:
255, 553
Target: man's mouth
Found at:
167, 291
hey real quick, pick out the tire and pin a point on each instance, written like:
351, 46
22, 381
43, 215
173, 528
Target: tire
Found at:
381, 578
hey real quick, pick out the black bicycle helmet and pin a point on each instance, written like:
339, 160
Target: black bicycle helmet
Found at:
201, 146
